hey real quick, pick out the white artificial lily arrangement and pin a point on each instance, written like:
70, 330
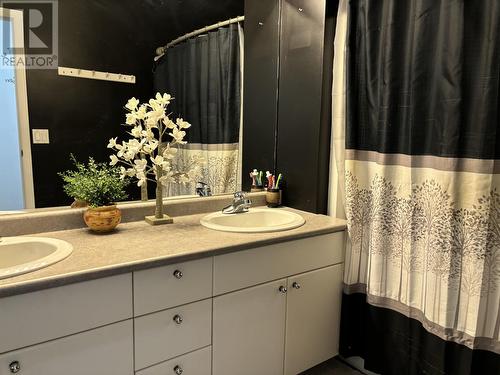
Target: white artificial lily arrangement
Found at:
147, 156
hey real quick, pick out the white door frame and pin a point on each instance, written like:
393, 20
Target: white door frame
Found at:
16, 17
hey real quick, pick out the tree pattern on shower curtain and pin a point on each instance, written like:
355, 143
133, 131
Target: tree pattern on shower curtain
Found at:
422, 250
220, 170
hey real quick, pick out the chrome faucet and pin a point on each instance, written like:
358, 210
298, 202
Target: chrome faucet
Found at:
203, 189
240, 204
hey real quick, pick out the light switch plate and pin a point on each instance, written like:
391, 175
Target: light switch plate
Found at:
40, 136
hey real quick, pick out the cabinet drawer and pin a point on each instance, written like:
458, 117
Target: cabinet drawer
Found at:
102, 351
31, 318
194, 363
250, 267
159, 337
161, 288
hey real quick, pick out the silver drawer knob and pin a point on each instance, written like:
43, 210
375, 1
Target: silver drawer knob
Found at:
282, 289
296, 285
178, 274
178, 370
15, 367
178, 319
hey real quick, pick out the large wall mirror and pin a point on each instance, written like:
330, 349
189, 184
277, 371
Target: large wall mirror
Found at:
48, 116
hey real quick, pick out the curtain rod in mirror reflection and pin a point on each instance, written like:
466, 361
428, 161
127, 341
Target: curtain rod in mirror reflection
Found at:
160, 51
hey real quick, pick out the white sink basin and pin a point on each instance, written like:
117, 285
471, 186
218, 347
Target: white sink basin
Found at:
20, 255
256, 220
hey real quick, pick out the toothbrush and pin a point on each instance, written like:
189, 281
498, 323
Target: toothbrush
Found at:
277, 186
269, 177
253, 176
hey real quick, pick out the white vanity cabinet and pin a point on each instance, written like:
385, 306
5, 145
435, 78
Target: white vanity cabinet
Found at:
312, 318
170, 333
271, 310
77, 329
243, 269
249, 330
32, 318
198, 362
173, 285
284, 326
103, 351
172, 312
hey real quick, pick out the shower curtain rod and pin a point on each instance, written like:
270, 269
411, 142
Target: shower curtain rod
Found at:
160, 51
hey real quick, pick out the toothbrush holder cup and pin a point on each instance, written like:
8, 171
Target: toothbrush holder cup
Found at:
273, 197
256, 189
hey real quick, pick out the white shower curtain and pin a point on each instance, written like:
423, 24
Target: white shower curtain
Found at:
339, 107
422, 264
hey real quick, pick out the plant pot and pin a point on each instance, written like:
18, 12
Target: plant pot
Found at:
273, 197
102, 219
78, 203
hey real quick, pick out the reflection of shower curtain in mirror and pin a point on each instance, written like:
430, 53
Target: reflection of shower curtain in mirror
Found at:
204, 75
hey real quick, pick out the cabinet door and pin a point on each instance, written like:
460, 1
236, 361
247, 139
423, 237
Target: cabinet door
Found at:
313, 317
103, 351
249, 331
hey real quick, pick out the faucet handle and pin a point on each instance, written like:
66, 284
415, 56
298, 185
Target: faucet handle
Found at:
239, 195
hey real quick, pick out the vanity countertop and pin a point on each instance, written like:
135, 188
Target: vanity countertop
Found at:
137, 245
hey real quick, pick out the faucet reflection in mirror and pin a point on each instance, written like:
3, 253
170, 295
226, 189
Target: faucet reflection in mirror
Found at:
147, 156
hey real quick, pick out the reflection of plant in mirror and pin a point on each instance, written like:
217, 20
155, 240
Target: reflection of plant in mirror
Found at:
97, 184
147, 156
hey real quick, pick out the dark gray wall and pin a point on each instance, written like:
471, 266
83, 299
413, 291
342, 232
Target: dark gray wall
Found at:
260, 86
107, 35
305, 94
326, 108
297, 59
300, 93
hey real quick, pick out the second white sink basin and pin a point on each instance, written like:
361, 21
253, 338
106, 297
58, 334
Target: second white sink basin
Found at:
256, 220
20, 255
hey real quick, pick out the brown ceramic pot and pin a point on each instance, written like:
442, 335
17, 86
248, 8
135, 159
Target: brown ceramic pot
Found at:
102, 219
78, 204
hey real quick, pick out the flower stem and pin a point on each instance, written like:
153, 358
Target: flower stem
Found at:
144, 187
159, 194
159, 174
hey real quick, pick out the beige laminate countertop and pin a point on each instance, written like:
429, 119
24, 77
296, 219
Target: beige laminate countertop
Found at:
137, 245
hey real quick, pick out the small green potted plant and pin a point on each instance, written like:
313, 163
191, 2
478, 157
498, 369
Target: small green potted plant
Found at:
100, 187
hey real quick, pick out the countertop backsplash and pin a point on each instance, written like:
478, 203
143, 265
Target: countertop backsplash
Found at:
51, 220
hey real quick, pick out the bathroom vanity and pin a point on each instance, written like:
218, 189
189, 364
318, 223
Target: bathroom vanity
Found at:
181, 299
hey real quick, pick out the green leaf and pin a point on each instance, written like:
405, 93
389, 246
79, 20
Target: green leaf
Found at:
98, 184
